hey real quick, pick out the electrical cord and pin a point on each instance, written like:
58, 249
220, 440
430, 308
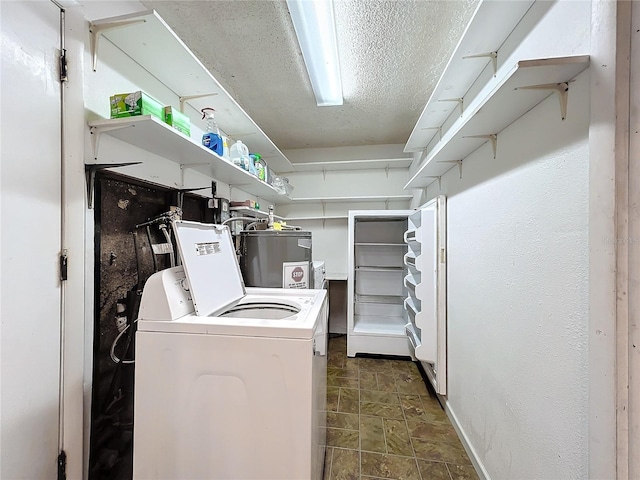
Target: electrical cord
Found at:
112, 352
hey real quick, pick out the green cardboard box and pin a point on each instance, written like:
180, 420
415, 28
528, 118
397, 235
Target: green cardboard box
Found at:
177, 120
135, 103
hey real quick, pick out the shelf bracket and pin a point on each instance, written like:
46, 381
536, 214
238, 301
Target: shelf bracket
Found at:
439, 181
96, 133
90, 174
185, 166
386, 204
186, 98
459, 162
97, 30
493, 137
460, 102
181, 191
324, 174
439, 129
492, 55
386, 171
562, 89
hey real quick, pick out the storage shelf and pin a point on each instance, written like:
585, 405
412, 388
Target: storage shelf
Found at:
354, 199
379, 269
252, 212
141, 35
153, 135
387, 299
487, 115
318, 217
344, 165
365, 244
374, 325
491, 24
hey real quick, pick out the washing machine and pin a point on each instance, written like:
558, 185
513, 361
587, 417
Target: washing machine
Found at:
230, 382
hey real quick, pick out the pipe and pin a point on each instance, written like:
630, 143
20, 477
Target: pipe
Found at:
172, 258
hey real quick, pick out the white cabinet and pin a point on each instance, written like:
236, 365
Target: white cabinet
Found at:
425, 283
376, 317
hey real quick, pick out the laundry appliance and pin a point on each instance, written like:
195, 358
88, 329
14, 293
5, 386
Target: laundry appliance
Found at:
230, 381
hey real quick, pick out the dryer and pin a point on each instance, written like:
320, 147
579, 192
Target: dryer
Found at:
230, 382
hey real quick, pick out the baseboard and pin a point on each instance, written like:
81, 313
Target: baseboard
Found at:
477, 464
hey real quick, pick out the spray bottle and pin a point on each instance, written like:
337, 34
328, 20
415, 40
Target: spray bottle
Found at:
212, 138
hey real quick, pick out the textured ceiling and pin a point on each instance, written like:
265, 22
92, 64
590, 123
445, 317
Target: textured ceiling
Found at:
391, 56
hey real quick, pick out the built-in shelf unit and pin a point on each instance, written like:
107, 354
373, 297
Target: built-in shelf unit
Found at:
141, 36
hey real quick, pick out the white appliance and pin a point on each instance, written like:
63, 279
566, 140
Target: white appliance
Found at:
397, 285
230, 383
319, 275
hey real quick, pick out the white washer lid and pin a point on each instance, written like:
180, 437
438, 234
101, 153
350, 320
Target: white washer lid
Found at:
209, 261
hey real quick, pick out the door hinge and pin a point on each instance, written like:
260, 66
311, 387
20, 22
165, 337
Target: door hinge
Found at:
62, 465
64, 263
63, 65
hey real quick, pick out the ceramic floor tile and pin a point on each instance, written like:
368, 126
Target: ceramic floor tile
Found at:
440, 451
386, 382
385, 424
372, 434
350, 421
462, 472
397, 437
343, 382
341, 372
368, 380
332, 399
338, 437
345, 464
379, 397
349, 400
381, 410
389, 466
433, 470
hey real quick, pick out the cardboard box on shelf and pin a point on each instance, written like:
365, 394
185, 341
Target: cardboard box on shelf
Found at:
135, 103
245, 203
177, 120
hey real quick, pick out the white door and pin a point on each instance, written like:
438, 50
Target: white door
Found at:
30, 239
426, 289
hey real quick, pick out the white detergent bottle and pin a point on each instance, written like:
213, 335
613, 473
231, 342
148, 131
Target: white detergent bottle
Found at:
240, 155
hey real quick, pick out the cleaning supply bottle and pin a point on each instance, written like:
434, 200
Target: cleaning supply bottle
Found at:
239, 154
252, 164
261, 167
212, 139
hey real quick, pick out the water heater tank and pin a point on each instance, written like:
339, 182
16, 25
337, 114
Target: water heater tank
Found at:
276, 259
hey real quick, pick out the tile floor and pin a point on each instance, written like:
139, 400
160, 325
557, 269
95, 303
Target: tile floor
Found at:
383, 423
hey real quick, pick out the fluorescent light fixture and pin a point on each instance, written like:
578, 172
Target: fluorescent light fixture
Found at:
314, 24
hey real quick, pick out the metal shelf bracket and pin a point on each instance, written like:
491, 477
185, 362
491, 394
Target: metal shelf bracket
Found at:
186, 98
439, 181
96, 133
459, 162
493, 137
460, 102
439, 129
562, 89
97, 30
90, 174
492, 55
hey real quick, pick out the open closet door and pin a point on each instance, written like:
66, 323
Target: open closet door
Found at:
426, 289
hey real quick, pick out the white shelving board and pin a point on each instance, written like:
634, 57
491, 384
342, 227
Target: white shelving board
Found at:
151, 43
152, 135
252, 212
375, 325
505, 102
353, 165
354, 199
491, 24
318, 217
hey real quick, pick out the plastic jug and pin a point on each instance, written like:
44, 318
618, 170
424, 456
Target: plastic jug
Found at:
240, 155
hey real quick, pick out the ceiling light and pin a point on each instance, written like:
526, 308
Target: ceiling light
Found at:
314, 24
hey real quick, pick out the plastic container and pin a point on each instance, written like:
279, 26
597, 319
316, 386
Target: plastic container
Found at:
261, 167
239, 154
212, 138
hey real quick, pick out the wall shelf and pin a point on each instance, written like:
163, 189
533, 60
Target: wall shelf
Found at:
152, 135
491, 24
354, 198
142, 35
386, 164
507, 100
318, 217
252, 212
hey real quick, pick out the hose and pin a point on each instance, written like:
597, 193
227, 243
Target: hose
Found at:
167, 236
112, 352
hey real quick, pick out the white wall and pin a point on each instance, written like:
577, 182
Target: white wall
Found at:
518, 279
